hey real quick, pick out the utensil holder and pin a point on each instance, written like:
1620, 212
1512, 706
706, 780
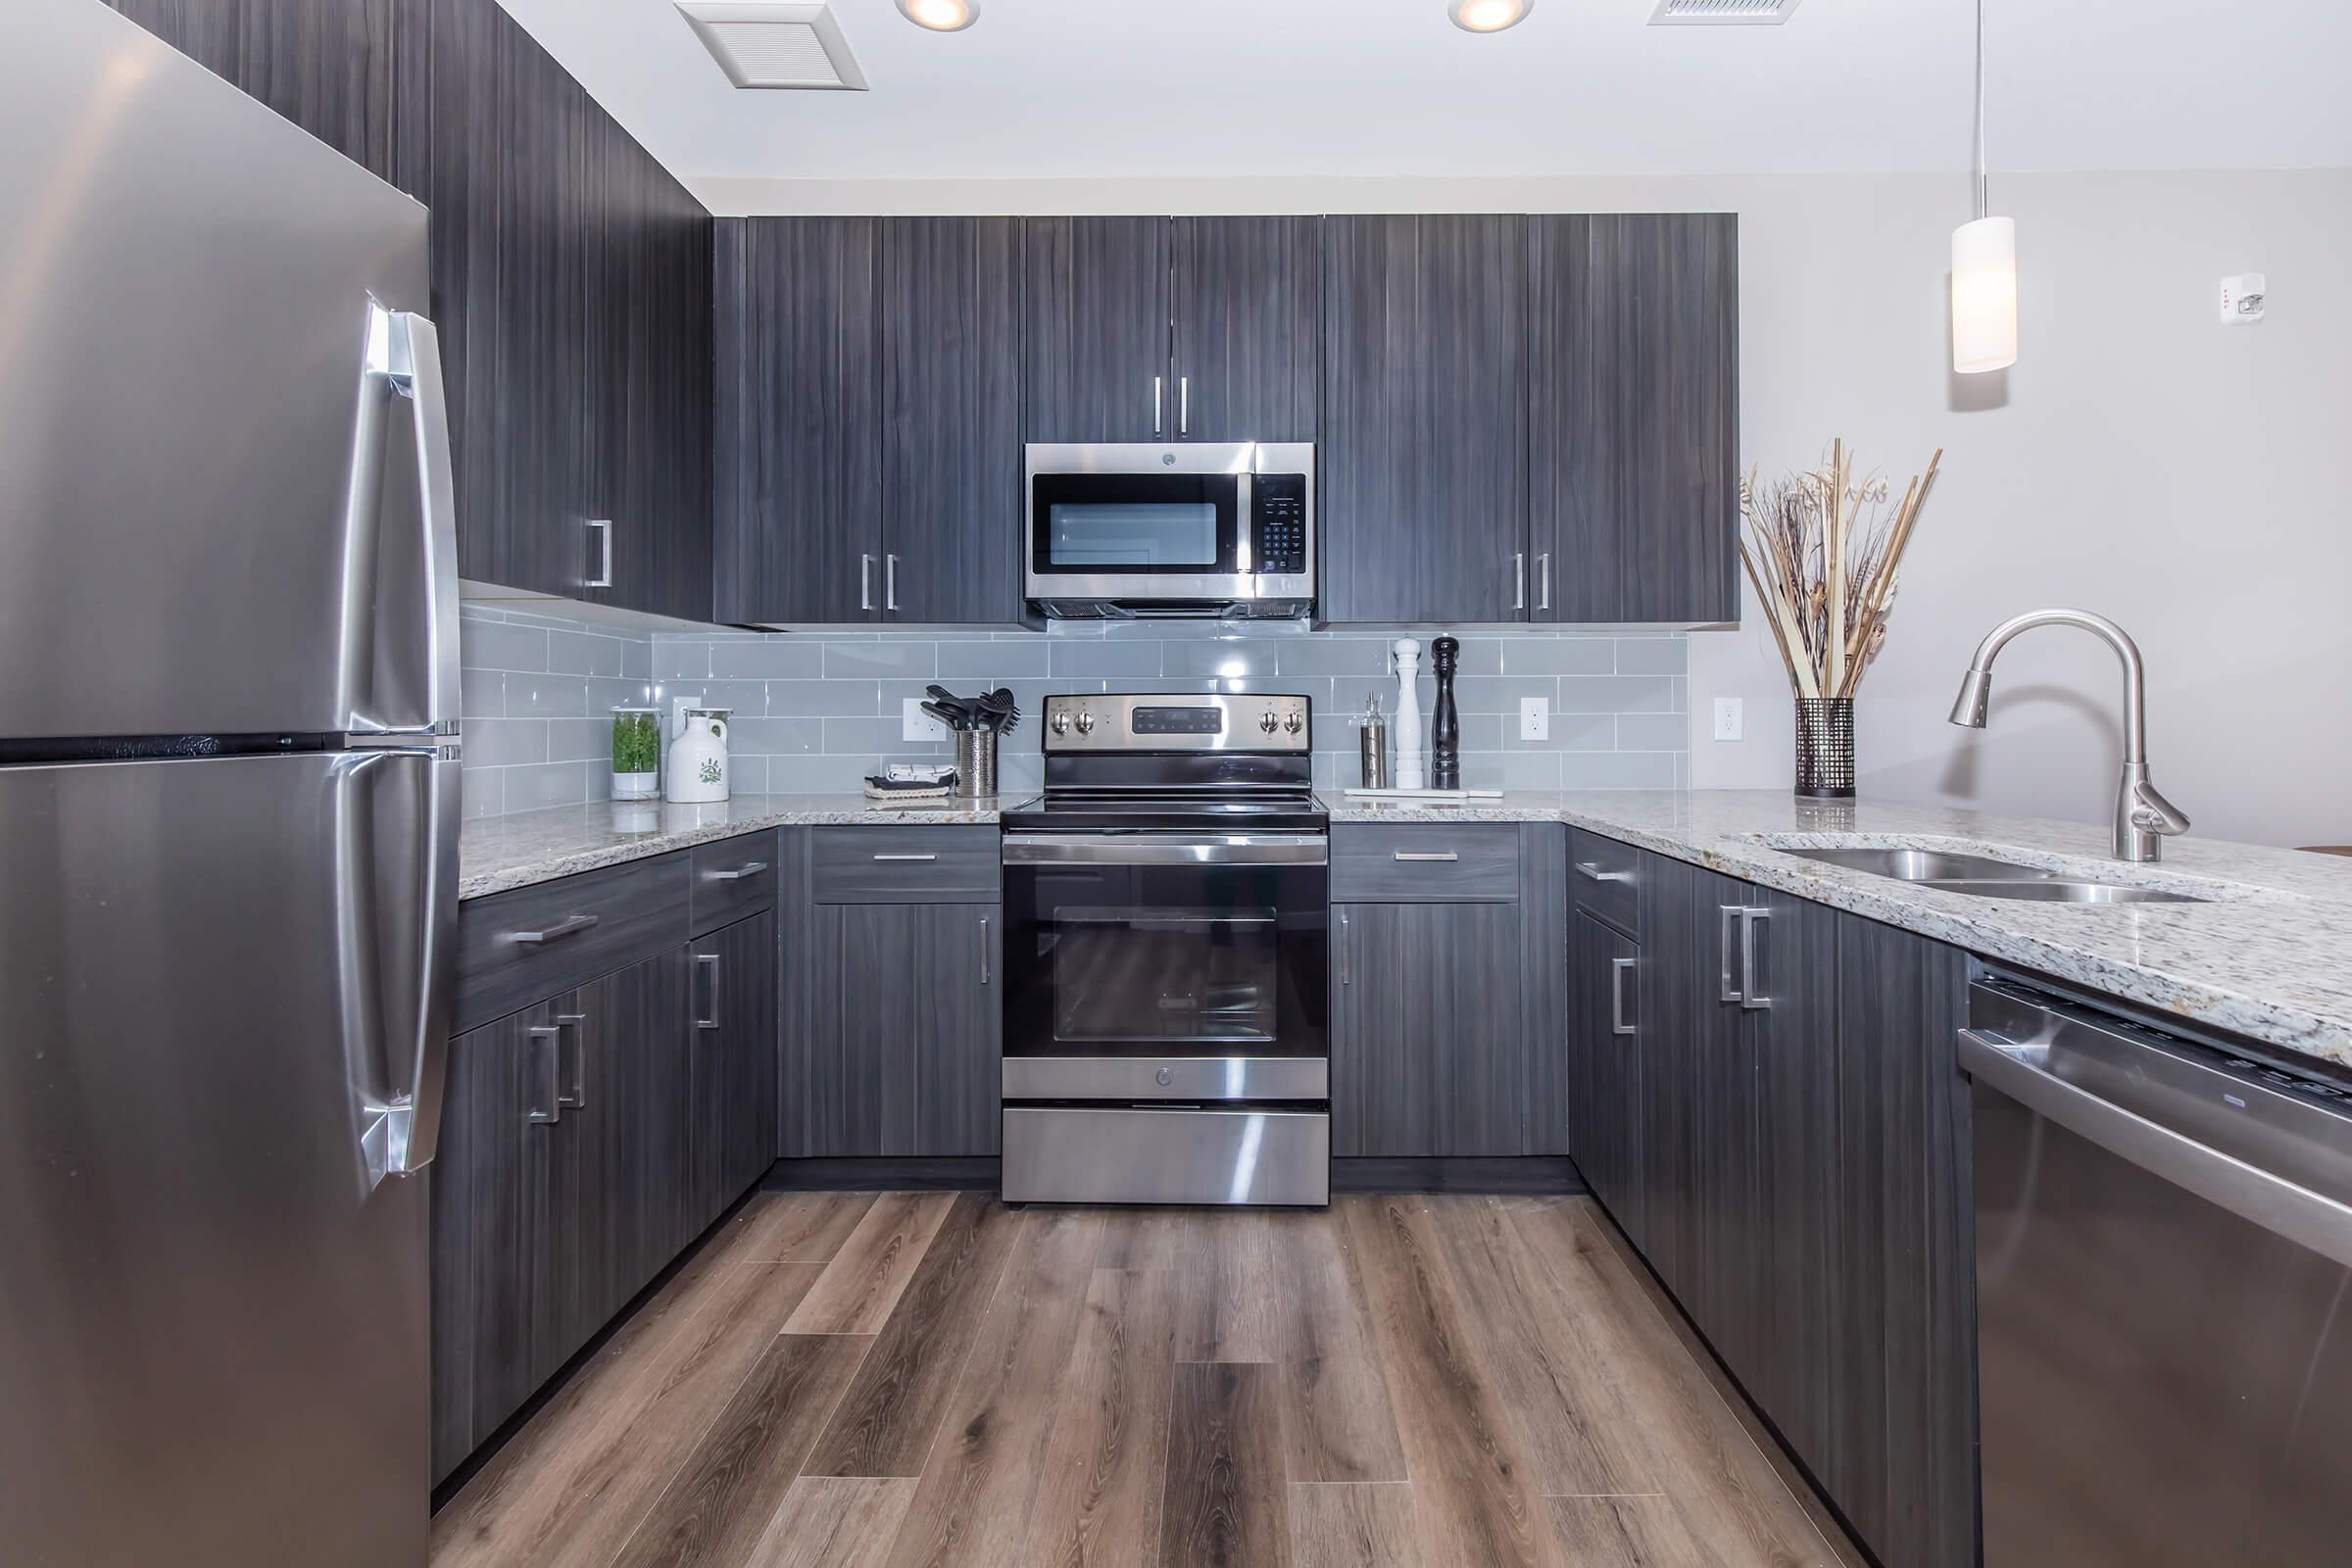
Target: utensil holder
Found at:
975, 763
1824, 748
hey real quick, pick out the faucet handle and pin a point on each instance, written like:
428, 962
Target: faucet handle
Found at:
2153, 813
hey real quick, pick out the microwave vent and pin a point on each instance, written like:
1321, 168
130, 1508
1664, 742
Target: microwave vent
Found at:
791, 48
1722, 13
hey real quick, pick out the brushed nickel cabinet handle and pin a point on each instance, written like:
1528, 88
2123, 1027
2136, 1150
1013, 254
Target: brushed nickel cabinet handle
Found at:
890, 583
568, 1023
1345, 976
1427, 854
1543, 581
1619, 968
905, 857
1729, 913
707, 963
1519, 580
865, 582
550, 1038
983, 976
1183, 405
748, 868
1751, 988
556, 933
1156, 392
1591, 871
603, 529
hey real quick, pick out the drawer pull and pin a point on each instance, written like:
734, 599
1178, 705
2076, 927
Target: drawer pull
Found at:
1619, 968
749, 869
1593, 873
556, 933
1427, 854
905, 857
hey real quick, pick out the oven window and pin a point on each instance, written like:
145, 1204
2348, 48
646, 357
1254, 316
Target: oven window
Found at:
1177, 535
1175, 977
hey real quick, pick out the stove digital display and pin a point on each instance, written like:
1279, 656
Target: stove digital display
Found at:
1178, 721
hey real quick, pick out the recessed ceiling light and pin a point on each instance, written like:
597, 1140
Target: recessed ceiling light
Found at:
1488, 16
941, 16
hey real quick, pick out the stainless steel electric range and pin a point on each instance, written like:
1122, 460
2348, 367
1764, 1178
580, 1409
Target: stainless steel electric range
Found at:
1166, 911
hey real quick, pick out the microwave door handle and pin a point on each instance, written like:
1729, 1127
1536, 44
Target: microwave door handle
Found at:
1245, 526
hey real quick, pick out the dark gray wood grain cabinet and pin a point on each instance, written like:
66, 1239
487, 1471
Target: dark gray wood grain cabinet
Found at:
1421, 462
1429, 1037
893, 1025
799, 402
1785, 1138
1095, 323
732, 1049
1246, 327
1633, 396
868, 408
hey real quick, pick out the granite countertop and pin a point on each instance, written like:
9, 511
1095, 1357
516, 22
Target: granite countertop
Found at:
2271, 959
498, 853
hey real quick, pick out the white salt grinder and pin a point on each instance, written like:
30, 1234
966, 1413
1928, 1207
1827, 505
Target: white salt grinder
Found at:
1411, 770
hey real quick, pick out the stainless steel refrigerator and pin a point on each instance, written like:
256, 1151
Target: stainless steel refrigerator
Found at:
228, 802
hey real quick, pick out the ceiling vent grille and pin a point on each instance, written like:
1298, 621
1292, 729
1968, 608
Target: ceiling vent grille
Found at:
1722, 13
794, 48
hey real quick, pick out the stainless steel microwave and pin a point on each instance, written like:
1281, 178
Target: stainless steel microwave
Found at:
1200, 528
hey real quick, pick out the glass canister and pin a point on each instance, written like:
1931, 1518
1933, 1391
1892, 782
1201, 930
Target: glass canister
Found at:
636, 753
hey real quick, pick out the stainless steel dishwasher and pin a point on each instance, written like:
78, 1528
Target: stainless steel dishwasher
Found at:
2164, 1288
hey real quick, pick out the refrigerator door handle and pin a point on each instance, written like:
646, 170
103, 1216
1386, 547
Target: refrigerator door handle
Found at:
416, 370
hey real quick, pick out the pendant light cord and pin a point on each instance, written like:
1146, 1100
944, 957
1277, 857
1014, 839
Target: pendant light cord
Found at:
1983, 199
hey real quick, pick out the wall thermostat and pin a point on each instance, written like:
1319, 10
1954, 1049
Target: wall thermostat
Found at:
2241, 299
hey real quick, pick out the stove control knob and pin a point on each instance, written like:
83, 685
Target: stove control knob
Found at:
1061, 723
1291, 722
1086, 722
1266, 721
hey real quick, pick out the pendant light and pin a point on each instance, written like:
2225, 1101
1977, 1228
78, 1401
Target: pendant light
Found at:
1983, 266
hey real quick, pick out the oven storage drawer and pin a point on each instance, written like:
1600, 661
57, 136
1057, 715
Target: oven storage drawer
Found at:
1128, 1155
1251, 1078
910, 864
1468, 862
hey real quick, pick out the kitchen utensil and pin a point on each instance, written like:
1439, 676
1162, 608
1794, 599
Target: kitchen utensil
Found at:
953, 717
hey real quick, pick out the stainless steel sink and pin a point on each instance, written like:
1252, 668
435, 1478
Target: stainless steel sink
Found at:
1984, 876
2052, 890
1924, 865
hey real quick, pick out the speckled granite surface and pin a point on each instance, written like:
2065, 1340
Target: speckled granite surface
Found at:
2271, 959
501, 853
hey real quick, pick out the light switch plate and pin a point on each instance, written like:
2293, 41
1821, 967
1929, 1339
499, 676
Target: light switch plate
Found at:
1535, 719
1730, 719
918, 725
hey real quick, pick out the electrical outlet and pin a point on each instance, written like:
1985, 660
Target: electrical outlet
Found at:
918, 725
1535, 719
1730, 716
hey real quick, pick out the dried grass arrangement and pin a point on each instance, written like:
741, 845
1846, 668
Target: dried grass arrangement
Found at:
1824, 555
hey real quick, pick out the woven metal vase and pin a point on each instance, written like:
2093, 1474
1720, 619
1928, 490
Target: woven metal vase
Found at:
1824, 748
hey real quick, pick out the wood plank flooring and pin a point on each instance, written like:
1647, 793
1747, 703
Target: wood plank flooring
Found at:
846, 1380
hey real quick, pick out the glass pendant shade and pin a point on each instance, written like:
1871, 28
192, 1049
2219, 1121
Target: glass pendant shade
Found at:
1985, 295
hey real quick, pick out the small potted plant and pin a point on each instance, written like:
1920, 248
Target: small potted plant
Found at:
636, 753
1822, 552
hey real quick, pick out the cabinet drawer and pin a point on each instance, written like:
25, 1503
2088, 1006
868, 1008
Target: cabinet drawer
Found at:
1606, 878
734, 879
1425, 863
516, 949
904, 864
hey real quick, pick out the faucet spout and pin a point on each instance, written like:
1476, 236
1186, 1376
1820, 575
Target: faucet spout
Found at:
2143, 817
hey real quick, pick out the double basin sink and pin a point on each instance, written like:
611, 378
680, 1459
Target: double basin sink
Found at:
1985, 877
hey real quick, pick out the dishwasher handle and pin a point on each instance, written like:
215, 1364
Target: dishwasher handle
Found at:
2311, 1220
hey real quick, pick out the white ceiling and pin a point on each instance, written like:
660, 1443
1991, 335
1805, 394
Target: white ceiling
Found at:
1190, 89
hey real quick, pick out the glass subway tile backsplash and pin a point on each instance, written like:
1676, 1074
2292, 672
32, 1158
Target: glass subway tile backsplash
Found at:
817, 712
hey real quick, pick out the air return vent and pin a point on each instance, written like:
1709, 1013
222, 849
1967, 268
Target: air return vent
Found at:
792, 47
1722, 13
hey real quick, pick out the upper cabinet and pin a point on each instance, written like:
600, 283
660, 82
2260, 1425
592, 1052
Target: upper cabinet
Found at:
1095, 337
869, 409
1170, 329
1421, 471
1634, 469
1248, 330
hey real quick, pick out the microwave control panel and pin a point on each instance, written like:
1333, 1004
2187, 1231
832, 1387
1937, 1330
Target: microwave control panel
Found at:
1278, 519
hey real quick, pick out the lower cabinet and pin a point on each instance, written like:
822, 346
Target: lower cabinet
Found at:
586, 1141
902, 1053
1764, 1094
1428, 1045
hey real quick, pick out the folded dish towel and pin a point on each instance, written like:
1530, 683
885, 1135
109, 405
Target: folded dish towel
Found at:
898, 791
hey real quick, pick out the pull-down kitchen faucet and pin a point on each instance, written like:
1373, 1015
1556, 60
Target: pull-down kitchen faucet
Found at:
2143, 818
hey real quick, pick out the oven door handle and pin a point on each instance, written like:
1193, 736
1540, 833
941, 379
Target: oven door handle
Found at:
1222, 849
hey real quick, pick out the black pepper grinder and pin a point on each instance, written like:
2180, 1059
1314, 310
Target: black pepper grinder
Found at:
1446, 727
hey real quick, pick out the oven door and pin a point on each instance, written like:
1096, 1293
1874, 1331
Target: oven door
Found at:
1165, 966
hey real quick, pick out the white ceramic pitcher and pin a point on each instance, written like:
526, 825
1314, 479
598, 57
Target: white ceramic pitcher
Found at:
696, 768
